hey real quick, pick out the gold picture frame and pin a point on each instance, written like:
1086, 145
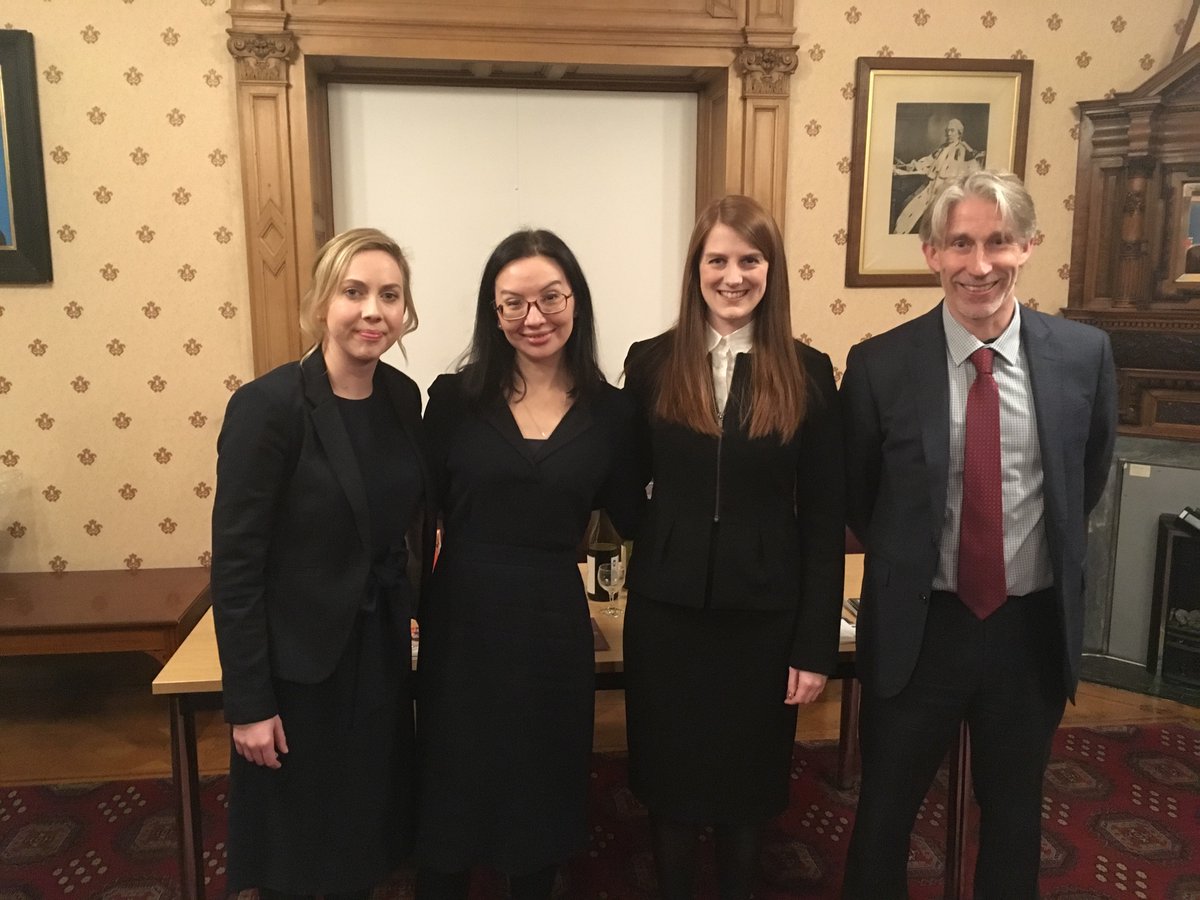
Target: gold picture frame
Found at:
916, 123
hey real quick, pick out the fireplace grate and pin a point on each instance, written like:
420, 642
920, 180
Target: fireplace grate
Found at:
1174, 639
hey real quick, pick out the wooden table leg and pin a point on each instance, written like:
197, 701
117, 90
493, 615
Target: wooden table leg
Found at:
958, 803
185, 772
847, 764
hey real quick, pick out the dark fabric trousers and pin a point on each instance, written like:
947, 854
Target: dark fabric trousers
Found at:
1003, 676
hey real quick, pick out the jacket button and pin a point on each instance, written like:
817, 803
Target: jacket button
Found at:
925, 598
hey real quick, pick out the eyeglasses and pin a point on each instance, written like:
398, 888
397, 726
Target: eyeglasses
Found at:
513, 309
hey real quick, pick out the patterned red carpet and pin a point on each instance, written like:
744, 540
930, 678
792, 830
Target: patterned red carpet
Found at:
1121, 820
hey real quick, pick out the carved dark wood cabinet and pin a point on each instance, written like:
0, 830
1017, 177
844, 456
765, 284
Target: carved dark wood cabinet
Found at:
1135, 259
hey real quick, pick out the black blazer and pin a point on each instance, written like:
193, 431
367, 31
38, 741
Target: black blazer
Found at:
780, 541
291, 537
896, 408
495, 489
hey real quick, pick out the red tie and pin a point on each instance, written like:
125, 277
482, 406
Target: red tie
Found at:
981, 583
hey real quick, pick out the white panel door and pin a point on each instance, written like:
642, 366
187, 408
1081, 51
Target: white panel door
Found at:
449, 172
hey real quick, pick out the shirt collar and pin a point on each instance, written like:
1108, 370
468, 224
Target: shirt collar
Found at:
961, 343
740, 341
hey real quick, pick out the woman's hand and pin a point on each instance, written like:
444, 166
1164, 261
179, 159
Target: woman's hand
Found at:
257, 742
803, 687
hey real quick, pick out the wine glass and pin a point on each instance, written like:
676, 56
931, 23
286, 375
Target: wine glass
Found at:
611, 576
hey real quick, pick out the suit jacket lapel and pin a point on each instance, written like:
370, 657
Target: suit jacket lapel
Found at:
327, 422
927, 368
577, 420
409, 415
411, 422
739, 390
1045, 379
501, 418
572, 425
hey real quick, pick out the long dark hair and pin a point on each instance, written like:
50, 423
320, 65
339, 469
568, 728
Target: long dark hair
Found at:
490, 364
777, 383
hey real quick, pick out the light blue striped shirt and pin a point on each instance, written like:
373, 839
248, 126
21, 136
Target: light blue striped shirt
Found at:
1026, 556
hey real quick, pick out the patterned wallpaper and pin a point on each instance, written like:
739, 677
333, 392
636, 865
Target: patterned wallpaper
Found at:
1081, 51
113, 380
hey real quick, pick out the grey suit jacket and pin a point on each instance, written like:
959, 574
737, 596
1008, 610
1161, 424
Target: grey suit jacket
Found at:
895, 396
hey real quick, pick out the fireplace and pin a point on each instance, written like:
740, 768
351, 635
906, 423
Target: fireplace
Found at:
1174, 640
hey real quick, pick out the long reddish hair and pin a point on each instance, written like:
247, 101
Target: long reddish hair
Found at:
777, 386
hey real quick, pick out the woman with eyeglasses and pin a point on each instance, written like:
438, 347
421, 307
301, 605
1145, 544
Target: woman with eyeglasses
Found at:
735, 583
525, 441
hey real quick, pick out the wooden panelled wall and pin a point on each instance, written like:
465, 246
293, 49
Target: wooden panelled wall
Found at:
1137, 150
736, 55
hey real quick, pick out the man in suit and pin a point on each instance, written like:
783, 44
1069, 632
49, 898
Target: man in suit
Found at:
970, 478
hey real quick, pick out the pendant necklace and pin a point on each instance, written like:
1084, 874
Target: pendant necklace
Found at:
537, 427
540, 429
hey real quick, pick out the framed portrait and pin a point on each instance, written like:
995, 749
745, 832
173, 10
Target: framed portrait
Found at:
24, 224
1187, 266
917, 124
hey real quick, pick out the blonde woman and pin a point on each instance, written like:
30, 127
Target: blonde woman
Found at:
320, 475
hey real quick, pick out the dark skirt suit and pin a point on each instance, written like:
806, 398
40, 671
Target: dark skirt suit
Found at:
506, 688
736, 574
312, 604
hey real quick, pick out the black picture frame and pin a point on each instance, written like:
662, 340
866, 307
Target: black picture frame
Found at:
25, 251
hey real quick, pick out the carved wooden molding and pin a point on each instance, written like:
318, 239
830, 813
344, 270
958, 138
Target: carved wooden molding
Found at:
742, 135
1159, 403
765, 152
1136, 150
645, 23
770, 23
1134, 320
766, 71
263, 61
1135, 201
262, 58
721, 9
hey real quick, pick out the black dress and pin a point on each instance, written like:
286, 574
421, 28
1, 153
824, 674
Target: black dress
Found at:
736, 575
337, 816
506, 687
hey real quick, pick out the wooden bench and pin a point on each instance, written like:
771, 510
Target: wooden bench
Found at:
150, 610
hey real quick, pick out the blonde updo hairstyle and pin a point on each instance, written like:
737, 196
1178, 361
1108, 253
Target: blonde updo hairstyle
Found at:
332, 261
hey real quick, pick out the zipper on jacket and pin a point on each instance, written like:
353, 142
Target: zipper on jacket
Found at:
716, 519
720, 441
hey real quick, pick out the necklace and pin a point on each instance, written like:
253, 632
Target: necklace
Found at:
537, 427
525, 404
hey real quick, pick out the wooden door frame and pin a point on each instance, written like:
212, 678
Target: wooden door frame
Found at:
736, 57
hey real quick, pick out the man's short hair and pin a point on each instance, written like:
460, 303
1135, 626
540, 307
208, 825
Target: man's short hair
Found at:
1002, 188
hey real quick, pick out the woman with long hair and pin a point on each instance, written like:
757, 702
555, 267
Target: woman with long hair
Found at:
525, 440
320, 475
736, 576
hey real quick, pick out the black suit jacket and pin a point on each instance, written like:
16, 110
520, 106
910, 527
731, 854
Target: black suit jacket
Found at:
895, 397
781, 536
291, 532
496, 489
